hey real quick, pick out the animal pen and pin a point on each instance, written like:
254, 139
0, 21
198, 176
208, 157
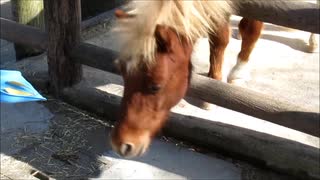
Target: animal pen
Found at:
66, 55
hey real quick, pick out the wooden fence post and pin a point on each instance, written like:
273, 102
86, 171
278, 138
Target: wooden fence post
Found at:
64, 26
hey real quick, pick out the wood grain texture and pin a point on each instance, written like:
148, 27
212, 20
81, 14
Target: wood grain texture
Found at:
23, 34
263, 106
293, 14
63, 19
95, 56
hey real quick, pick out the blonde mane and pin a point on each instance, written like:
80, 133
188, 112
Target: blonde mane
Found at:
190, 19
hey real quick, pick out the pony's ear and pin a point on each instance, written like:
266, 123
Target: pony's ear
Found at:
120, 66
168, 41
162, 34
121, 14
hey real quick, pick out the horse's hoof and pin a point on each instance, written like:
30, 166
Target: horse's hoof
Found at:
208, 106
312, 49
240, 73
238, 82
313, 44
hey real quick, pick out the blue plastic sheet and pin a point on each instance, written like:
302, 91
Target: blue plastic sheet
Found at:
9, 76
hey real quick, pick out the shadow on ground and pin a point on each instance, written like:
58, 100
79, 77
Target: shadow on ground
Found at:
52, 137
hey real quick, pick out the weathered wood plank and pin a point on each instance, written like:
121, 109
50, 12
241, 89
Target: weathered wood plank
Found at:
95, 56
63, 20
23, 34
293, 14
255, 104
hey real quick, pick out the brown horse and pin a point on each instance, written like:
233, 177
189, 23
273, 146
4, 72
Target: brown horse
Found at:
155, 61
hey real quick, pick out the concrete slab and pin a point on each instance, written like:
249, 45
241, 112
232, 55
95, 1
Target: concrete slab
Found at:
168, 161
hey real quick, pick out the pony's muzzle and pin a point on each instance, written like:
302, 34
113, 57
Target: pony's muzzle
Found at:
126, 148
129, 150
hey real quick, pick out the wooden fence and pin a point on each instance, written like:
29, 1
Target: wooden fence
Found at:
66, 53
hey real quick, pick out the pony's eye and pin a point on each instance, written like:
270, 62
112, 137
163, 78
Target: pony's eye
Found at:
154, 88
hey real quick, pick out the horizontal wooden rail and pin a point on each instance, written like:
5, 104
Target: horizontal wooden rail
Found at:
23, 34
232, 97
293, 14
34, 37
100, 58
256, 104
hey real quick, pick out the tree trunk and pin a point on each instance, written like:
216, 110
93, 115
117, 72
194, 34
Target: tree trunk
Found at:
29, 12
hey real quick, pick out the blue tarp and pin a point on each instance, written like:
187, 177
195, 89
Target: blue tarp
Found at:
14, 81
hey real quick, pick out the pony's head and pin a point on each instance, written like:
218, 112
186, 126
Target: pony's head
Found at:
156, 40
150, 91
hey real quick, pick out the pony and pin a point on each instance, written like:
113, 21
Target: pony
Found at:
156, 40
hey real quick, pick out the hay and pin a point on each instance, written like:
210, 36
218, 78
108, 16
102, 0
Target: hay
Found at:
60, 152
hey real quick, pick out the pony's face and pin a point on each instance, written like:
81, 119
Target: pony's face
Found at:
150, 93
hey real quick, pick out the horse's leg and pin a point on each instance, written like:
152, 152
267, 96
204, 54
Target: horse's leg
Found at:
218, 42
313, 42
250, 31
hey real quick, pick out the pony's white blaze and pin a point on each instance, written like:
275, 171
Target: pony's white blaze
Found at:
191, 19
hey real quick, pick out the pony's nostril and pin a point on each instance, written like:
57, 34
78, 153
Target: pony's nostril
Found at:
126, 149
